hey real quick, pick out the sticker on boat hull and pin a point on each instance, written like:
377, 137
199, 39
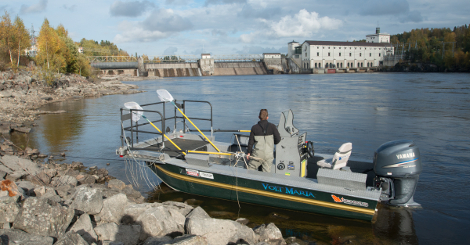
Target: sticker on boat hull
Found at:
206, 175
350, 202
192, 172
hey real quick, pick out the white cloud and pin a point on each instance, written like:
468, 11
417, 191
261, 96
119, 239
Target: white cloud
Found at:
35, 8
133, 32
166, 20
302, 24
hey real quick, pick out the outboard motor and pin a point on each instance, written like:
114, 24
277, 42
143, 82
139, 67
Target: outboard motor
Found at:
397, 166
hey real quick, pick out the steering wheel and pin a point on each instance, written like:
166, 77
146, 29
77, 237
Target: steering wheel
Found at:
310, 149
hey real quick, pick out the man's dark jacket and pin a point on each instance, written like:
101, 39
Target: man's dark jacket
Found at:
263, 128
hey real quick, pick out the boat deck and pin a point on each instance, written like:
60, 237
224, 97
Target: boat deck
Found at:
171, 150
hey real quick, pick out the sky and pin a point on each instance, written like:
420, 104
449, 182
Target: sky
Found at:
231, 27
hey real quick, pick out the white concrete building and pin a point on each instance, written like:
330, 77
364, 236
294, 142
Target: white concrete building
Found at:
378, 37
329, 54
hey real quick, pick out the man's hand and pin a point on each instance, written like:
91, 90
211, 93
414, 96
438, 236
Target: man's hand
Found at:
248, 156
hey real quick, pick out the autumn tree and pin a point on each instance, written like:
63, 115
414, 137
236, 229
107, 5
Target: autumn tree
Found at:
21, 39
49, 55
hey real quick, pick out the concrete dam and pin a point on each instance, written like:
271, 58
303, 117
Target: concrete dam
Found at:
202, 67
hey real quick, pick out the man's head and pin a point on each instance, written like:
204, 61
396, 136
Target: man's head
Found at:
263, 114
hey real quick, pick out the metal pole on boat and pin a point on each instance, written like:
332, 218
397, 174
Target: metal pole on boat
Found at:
137, 112
165, 96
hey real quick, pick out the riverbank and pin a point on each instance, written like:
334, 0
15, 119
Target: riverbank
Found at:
23, 93
53, 203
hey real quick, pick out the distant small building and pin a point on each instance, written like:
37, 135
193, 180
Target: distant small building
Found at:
205, 56
294, 50
80, 50
378, 37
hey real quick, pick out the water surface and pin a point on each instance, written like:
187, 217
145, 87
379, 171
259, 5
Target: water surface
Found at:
433, 109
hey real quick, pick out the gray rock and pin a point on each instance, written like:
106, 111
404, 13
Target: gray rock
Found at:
9, 208
88, 200
64, 191
117, 184
198, 213
84, 228
127, 234
113, 208
27, 186
220, 231
13, 236
71, 238
43, 217
269, 233
132, 212
2, 174
159, 221
85, 179
25, 130
20, 164
190, 240
183, 208
43, 178
158, 240
15, 176
64, 180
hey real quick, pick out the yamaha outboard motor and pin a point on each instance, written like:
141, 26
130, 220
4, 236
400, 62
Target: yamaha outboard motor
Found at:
397, 166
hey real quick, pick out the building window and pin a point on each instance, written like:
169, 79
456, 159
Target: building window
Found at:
379, 54
337, 65
341, 65
326, 65
349, 54
370, 54
328, 53
339, 47
360, 54
318, 53
315, 65
339, 54
328, 47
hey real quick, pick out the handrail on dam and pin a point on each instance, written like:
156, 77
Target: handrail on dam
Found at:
177, 58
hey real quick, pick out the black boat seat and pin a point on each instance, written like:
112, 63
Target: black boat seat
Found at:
339, 160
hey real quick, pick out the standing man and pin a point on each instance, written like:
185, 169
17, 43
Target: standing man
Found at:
263, 137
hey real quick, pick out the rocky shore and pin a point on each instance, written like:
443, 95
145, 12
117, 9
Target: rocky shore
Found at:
23, 92
51, 203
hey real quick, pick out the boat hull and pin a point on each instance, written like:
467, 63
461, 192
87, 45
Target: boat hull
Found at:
264, 192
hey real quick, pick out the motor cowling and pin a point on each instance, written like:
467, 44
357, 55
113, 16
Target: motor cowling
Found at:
397, 166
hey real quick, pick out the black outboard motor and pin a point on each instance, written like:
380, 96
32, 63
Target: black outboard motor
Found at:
397, 166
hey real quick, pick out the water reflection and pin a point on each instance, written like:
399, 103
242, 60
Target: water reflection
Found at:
396, 224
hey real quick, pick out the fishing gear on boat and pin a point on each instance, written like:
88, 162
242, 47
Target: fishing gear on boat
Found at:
138, 112
165, 96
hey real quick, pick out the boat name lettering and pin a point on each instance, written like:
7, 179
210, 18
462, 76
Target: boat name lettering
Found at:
350, 202
406, 155
206, 175
287, 190
192, 172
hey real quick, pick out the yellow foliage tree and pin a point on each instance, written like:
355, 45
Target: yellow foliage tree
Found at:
21, 39
49, 56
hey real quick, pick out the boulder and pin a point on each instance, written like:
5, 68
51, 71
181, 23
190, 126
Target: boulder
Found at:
158, 240
71, 238
20, 164
197, 213
9, 208
42, 179
64, 191
88, 200
10, 187
220, 231
117, 184
25, 130
183, 208
84, 228
159, 221
43, 217
113, 208
127, 234
190, 240
64, 180
270, 234
13, 236
132, 212
84, 179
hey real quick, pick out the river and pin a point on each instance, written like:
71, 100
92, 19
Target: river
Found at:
432, 109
